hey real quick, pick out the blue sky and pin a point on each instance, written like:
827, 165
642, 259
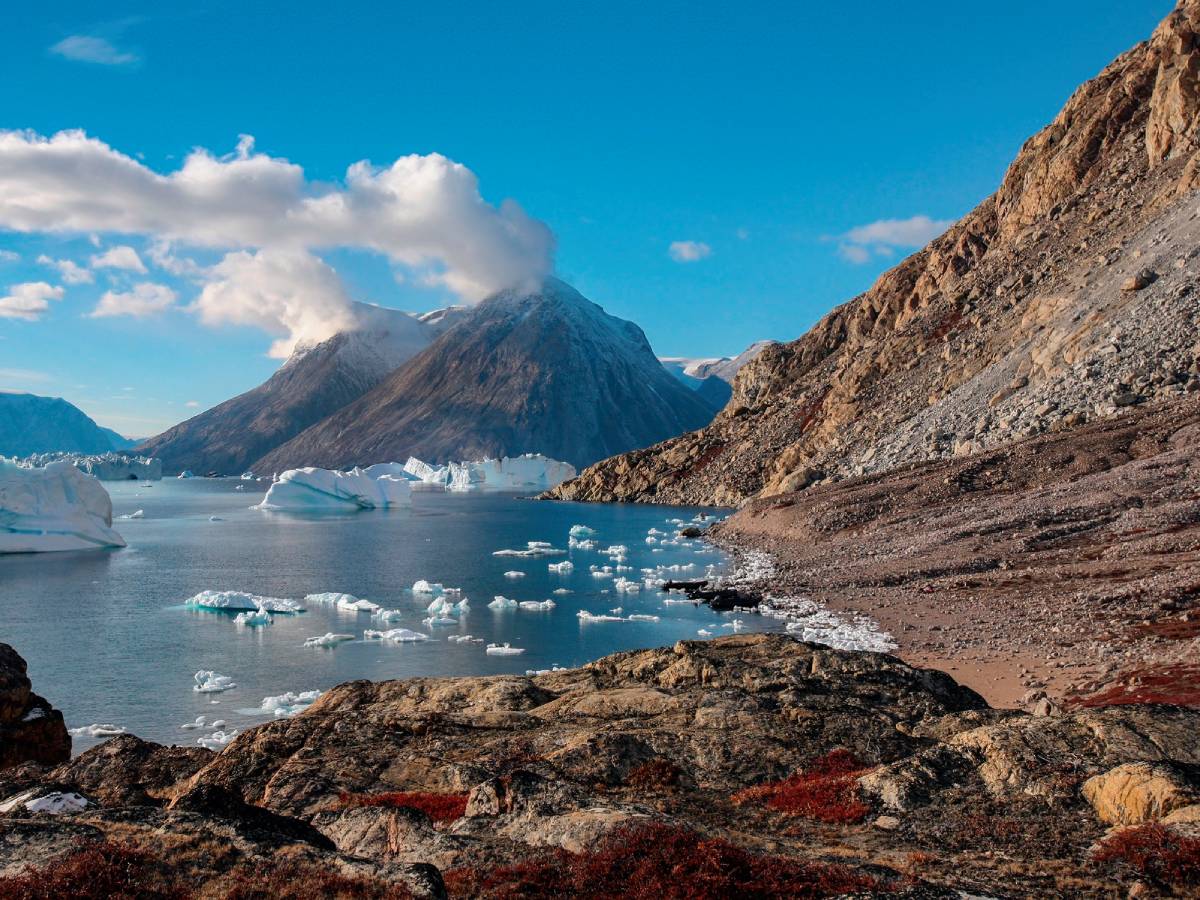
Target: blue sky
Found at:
708, 170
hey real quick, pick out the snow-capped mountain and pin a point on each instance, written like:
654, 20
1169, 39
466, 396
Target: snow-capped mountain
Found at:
32, 424
547, 372
712, 378
317, 380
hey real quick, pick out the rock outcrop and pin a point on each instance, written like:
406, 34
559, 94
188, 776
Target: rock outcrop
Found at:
753, 762
31, 730
1067, 296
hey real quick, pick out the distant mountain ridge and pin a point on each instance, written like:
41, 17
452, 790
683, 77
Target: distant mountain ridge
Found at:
33, 424
546, 372
712, 378
316, 380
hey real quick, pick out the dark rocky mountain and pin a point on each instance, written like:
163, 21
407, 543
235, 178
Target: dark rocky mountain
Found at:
315, 382
32, 424
547, 372
1069, 295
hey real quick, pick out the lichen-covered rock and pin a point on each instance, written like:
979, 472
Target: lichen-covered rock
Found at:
1134, 793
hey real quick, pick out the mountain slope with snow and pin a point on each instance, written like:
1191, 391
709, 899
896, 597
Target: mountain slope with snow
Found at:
548, 372
316, 381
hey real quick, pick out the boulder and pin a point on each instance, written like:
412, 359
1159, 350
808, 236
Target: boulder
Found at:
1133, 793
31, 730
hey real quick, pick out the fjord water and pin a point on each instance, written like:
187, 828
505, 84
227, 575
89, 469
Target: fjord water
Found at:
108, 640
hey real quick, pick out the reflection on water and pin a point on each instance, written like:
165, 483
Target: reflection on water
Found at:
107, 639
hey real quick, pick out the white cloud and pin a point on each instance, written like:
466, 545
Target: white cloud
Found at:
421, 211
88, 48
119, 257
9, 256
146, 299
883, 237
288, 293
191, 404
29, 300
71, 272
24, 375
163, 255
689, 251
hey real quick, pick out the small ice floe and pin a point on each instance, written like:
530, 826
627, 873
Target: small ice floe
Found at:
215, 519
625, 586
390, 615
554, 668
217, 740
584, 616
617, 610
561, 568
736, 624
815, 624
329, 639
395, 636
233, 601
427, 587
209, 682
503, 603
239, 487
584, 544
443, 607
605, 572
254, 619
651, 539
503, 650
538, 605
514, 574
96, 730
581, 531
704, 632
532, 550
285, 705
464, 639
562, 591
344, 602
139, 514
440, 620
643, 617
192, 726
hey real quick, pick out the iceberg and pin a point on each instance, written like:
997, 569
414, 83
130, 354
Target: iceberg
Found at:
515, 574
538, 605
582, 531
138, 514
344, 602
533, 549
584, 616
426, 587
96, 730
254, 619
217, 740
426, 473
502, 603
313, 489
209, 682
105, 466
562, 568
503, 650
395, 636
54, 507
530, 471
329, 639
233, 601
286, 705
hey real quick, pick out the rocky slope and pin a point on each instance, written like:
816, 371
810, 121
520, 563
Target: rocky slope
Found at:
548, 373
1067, 296
649, 773
31, 730
314, 382
31, 424
712, 378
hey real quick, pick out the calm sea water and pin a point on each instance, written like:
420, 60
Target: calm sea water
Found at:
108, 641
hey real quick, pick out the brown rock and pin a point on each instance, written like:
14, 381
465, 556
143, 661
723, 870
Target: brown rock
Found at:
31, 730
1133, 793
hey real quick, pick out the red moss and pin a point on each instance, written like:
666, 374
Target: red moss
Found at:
827, 791
95, 870
439, 807
657, 773
1177, 685
658, 862
299, 881
1155, 852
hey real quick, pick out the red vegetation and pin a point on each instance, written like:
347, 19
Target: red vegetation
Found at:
439, 807
95, 870
298, 881
657, 773
1154, 852
1177, 685
827, 791
658, 862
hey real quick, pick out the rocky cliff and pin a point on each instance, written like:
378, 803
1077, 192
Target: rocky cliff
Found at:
1068, 295
752, 765
31, 730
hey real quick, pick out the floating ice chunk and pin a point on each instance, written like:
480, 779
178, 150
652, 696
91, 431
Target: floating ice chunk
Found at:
562, 568
215, 519
239, 487
617, 610
217, 739
57, 803
538, 605
502, 603
704, 632
329, 639
137, 514
440, 620
209, 682
389, 615
581, 531
247, 476
562, 591
344, 602
426, 473
324, 489
651, 539
584, 544
736, 625
642, 617
503, 650
96, 730
625, 586
530, 471
253, 619
191, 726
516, 574
286, 705
425, 587
395, 636
186, 473
464, 639
606, 572
237, 600
532, 550
56, 507
584, 616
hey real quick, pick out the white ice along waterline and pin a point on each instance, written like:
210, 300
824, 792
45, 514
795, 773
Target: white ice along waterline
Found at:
316, 489
531, 471
55, 507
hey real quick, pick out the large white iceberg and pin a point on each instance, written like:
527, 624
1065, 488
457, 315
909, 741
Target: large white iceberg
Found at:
54, 507
234, 601
105, 466
324, 489
425, 473
529, 471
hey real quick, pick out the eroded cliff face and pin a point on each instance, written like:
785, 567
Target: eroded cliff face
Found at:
31, 730
1067, 296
